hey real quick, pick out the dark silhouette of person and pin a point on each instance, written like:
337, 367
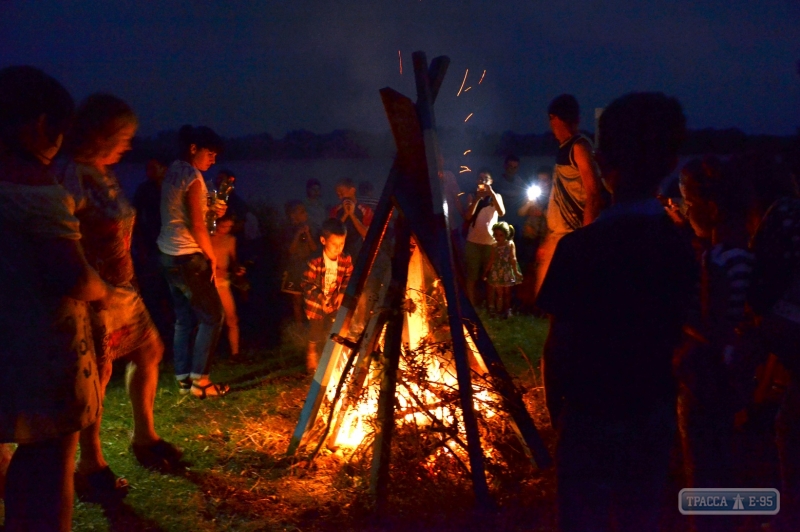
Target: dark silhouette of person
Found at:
617, 292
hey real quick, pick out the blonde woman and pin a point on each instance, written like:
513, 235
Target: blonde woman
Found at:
102, 132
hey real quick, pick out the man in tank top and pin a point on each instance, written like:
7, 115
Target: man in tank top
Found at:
575, 196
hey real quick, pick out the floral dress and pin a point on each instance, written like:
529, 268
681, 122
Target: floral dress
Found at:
48, 374
502, 272
107, 220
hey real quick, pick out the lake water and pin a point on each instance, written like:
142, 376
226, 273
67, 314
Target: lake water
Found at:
276, 182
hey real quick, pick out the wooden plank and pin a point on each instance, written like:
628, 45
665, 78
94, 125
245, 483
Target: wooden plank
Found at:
382, 447
332, 350
511, 397
436, 74
436, 225
360, 373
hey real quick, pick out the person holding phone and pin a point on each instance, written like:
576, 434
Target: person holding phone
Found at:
485, 207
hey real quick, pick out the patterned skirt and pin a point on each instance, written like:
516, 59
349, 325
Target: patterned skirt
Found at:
123, 326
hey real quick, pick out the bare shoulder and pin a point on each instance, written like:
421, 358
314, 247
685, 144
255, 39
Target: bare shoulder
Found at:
583, 149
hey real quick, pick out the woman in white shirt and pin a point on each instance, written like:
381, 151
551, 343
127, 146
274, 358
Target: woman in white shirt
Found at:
188, 259
483, 211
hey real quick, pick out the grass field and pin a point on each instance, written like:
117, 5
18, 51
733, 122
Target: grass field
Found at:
240, 478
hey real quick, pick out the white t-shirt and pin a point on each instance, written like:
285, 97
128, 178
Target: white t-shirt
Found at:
175, 238
481, 231
331, 272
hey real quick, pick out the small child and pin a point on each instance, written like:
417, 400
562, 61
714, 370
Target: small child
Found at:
324, 281
224, 244
298, 245
502, 271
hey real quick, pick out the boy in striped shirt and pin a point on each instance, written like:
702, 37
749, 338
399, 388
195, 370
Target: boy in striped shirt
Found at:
324, 281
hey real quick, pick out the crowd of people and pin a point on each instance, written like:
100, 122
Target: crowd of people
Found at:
669, 317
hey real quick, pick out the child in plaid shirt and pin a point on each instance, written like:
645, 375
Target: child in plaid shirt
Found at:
324, 281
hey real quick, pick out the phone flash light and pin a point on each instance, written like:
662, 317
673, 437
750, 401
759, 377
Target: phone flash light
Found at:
534, 191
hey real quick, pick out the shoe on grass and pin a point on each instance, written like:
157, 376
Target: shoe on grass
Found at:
185, 386
102, 487
159, 456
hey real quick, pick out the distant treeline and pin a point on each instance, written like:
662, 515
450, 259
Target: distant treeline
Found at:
346, 144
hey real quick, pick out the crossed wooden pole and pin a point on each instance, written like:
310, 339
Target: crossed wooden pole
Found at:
414, 189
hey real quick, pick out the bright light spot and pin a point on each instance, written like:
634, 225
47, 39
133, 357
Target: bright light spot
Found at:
468, 117
534, 191
466, 152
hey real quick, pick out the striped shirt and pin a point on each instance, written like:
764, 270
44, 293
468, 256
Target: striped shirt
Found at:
315, 295
728, 273
567, 197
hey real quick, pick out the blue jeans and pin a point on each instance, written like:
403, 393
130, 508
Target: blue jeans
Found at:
196, 302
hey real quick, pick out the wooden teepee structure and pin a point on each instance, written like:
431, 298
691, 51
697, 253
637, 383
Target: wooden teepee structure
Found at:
414, 189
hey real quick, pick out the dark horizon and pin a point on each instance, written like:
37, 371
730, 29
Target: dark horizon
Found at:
350, 144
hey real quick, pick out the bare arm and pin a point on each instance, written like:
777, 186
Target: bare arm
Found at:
591, 181
496, 201
197, 223
360, 227
514, 257
469, 212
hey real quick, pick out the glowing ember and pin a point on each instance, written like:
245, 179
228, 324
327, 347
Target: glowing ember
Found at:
466, 152
462, 83
400, 57
467, 89
468, 117
464, 169
481, 80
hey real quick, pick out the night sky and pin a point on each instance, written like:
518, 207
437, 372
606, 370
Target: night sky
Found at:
272, 66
